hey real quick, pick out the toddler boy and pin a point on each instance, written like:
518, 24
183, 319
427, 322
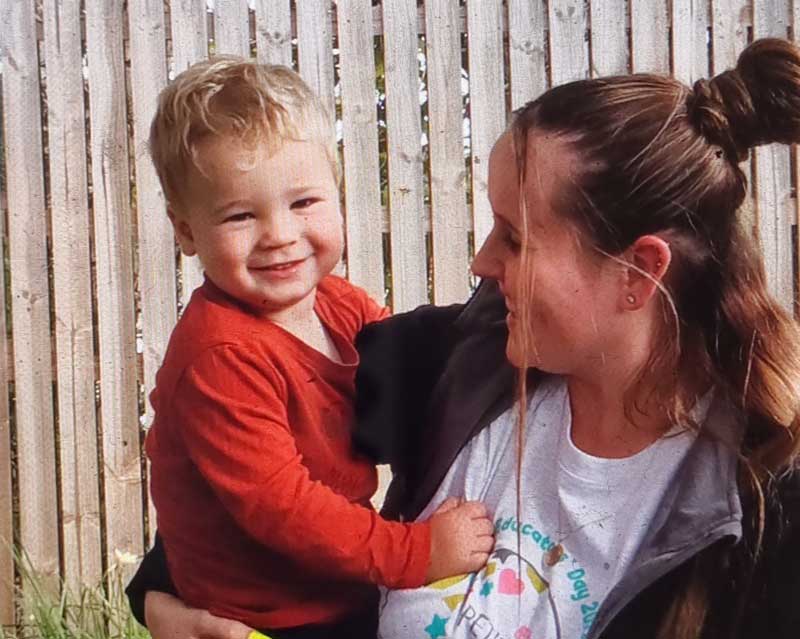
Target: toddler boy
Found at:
262, 504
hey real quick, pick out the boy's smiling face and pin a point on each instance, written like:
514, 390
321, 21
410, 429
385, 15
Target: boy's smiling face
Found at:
265, 222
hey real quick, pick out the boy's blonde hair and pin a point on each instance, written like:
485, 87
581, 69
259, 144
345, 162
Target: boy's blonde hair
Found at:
230, 95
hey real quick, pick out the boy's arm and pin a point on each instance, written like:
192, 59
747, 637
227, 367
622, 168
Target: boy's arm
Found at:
152, 574
234, 426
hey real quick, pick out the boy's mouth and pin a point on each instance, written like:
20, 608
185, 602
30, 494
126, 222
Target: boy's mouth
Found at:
279, 268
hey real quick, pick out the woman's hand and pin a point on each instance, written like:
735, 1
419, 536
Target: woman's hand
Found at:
169, 618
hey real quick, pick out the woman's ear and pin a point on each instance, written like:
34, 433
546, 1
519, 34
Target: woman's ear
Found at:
183, 231
648, 260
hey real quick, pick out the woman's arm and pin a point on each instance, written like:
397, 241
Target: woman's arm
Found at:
169, 618
155, 604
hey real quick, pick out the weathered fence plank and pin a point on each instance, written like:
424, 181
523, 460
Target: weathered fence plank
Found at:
609, 37
315, 48
487, 103
404, 132
6, 494
731, 20
114, 276
527, 46
231, 27
189, 30
450, 222
774, 206
567, 20
690, 54
156, 283
30, 297
649, 39
362, 189
72, 292
274, 31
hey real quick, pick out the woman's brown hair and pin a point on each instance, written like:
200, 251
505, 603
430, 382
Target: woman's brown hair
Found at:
658, 157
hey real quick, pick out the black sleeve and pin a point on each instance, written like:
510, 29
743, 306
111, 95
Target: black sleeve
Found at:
153, 574
400, 360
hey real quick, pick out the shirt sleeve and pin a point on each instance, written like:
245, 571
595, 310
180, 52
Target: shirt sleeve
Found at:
235, 428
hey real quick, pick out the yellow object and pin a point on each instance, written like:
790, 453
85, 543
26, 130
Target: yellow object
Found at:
537, 582
444, 584
258, 635
453, 601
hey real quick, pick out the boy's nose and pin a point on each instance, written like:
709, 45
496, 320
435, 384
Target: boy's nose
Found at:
278, 229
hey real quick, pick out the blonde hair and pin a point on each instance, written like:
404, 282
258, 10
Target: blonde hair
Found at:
230, 95
659, 157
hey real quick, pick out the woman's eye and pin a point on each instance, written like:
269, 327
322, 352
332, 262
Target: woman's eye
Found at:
304, 203
512, 241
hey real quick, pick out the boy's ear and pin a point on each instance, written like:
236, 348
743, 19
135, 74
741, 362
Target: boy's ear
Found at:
183, 232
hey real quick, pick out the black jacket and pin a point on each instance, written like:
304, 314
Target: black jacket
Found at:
429, 380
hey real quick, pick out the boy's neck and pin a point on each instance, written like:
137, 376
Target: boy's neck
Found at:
303, 322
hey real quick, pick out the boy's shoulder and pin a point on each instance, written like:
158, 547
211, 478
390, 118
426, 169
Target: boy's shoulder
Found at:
346, 305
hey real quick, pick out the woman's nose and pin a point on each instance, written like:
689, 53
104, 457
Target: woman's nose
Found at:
485, 265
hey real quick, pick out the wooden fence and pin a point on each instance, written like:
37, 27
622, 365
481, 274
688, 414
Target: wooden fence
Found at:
421, 90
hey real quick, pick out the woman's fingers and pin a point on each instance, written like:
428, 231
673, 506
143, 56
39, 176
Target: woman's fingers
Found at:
212, 627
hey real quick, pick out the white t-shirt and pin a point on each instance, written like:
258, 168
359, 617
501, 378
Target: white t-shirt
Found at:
597, 509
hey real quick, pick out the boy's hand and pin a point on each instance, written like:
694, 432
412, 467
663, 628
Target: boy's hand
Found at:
169, 618
462, 536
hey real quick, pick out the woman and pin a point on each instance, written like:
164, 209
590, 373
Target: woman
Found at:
643, 482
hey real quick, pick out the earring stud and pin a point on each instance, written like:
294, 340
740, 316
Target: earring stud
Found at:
631, 298
659, 263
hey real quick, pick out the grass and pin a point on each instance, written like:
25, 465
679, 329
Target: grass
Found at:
99, 612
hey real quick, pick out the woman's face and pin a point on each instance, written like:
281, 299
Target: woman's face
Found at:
573, 293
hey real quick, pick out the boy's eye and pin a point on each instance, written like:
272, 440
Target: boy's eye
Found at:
238, 217
304, 203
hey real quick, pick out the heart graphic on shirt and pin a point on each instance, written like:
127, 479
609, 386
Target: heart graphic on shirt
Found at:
510, 584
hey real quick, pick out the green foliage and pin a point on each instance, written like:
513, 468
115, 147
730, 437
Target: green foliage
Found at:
99, 612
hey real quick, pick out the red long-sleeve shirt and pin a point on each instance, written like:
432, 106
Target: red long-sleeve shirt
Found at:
262, 503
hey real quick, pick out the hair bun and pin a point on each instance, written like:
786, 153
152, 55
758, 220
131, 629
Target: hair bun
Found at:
756, 103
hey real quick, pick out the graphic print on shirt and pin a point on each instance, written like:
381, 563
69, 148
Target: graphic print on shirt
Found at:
510, 585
